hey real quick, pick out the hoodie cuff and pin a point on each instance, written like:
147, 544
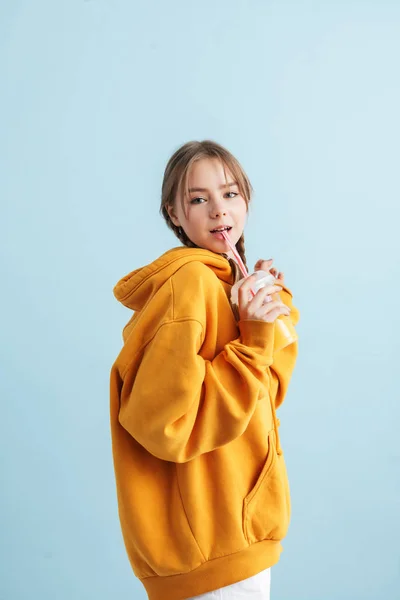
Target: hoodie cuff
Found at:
258, 335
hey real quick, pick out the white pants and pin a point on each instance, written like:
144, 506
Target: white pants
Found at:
253, 588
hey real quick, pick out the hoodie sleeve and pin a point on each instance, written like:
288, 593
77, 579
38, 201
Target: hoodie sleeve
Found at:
284, 360
178, 405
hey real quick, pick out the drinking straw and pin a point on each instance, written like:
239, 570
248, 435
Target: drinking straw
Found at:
237, 256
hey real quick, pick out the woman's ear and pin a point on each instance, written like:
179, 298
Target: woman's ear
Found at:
172, 215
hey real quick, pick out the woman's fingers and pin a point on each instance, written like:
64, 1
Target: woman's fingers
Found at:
274, 313
271, 307
262, 295
275, 272
266, 265
265, 305
244, 289
278, 275
263, 265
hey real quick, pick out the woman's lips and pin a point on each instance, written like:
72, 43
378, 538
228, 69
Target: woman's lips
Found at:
219, 235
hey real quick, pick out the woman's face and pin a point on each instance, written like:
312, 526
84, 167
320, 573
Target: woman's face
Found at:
212, 203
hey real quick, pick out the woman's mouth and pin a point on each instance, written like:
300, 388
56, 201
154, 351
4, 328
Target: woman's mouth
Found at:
218, 232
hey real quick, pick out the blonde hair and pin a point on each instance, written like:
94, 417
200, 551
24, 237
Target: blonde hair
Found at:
176, 178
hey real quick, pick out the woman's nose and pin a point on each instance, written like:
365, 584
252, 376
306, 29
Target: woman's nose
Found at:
218, 213
217, 210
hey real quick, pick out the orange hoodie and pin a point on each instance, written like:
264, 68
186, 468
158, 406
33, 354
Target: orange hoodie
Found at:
201, 481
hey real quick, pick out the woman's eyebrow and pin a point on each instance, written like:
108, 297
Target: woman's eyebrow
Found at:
198, 189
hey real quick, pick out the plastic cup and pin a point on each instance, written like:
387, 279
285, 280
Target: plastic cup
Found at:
285, 333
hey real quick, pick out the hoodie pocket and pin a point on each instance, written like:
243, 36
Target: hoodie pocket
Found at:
266, 509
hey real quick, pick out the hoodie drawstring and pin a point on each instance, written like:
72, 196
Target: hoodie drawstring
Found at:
276, 426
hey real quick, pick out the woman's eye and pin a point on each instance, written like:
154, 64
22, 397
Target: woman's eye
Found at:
200, 199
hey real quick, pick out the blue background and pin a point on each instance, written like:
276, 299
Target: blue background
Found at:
95, 97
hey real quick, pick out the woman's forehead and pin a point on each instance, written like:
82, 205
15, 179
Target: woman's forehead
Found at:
211, 170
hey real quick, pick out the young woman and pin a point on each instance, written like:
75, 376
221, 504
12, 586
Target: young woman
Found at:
201, 481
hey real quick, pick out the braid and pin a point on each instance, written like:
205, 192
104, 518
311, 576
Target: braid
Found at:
241, 250
181, 235
178, 231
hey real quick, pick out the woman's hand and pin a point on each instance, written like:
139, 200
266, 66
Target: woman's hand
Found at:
258, 307
265, 265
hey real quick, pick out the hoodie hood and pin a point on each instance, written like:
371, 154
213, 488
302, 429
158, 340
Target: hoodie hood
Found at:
135, 289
